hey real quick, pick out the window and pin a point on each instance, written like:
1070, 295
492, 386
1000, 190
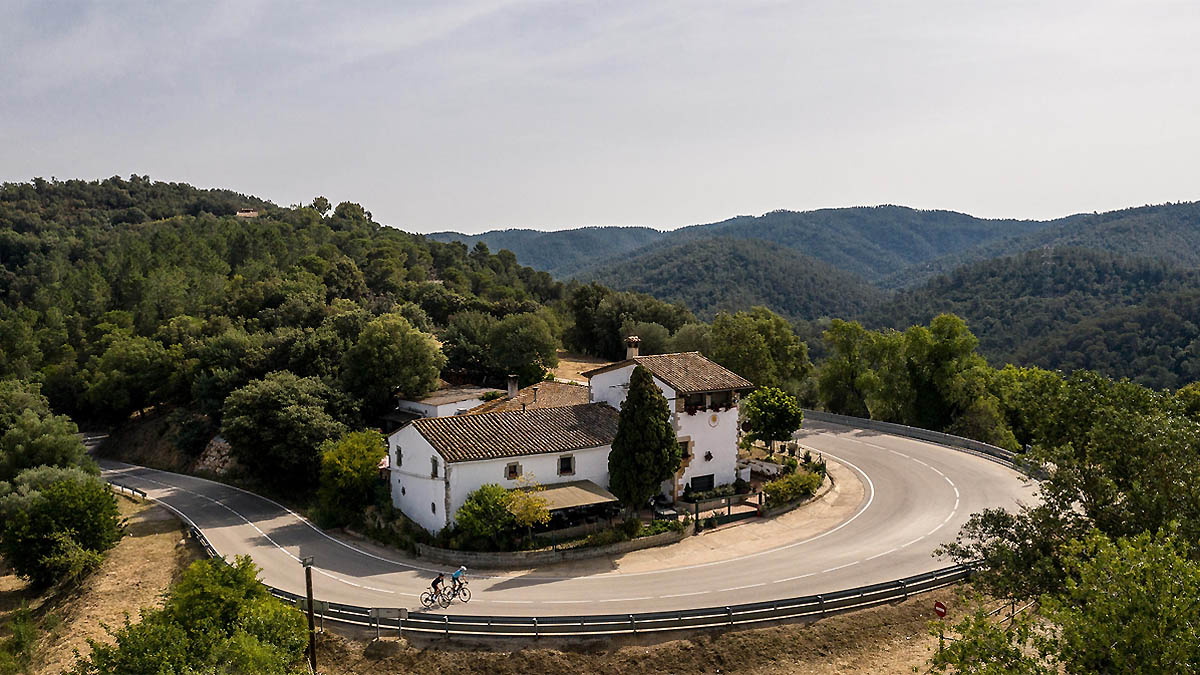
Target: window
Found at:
433, 506
722, 399
566, 465
702, 483
434, 462
512, 471
399, 456
694, 402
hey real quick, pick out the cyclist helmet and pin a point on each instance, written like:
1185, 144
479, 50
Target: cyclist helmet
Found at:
462, 569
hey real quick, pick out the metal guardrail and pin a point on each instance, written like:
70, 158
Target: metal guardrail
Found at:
967, 445
125, 489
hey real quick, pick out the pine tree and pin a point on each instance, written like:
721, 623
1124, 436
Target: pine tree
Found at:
644, 452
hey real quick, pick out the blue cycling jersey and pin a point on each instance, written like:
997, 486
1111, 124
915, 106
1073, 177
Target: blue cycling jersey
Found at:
456, 575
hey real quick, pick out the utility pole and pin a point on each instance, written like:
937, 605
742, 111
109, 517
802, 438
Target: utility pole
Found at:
312, 628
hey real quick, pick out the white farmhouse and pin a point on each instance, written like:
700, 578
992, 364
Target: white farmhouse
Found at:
564, 442
436, 462
703, 397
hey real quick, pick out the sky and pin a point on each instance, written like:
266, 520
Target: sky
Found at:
484, 114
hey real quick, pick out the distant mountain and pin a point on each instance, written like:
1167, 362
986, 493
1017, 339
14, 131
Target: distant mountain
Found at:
561, 253
1028, 308
871, 242
1169, 232
710, 275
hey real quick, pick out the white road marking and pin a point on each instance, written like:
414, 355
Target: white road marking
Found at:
877, 555
683, 595
624, 599
802, 576
913, 541
739, 588
895, 452
834, 569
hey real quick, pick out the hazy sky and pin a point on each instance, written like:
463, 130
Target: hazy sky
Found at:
487, 114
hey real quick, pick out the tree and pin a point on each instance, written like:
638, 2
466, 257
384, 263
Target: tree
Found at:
321, 205
1128, 606
644, 452
761, 346
391, 357
56, 524
527, 507
484, 516
692, 337
466, 342
523, 344
349, 476
34, 440
841, 382
218, 618
773, 414
132, 373
275, 425
654, 337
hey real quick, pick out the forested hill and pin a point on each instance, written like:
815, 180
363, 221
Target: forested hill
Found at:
117, 294
561, 253
1168, 232
1045, 307
872, 242
712, 275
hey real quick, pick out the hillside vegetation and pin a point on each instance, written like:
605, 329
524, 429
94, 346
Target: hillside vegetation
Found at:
713, 275
1033, 308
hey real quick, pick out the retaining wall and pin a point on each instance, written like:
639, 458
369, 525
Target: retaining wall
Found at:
521, 559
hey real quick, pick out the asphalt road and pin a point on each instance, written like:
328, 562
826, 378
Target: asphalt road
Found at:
917, 496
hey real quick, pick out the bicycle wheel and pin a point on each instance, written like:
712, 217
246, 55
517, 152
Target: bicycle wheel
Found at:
427, 599
464, 594
444, 599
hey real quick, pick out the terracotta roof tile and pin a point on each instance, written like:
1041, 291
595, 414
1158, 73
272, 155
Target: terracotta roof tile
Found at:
685, 372
465, 438
549, 395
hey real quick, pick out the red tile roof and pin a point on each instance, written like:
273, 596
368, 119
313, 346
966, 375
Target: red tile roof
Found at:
548, 395
685, 372
465, 438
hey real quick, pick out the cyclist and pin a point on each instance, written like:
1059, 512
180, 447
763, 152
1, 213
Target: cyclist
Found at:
437, 583
456, 578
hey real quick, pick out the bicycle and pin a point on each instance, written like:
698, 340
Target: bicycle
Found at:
442, 597
462, 592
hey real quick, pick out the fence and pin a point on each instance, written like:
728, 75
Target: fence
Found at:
126, 490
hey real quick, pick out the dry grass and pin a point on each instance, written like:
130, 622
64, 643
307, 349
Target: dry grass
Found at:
887, 639
572, 365
134, 575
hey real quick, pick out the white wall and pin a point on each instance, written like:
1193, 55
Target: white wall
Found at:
590, 464
720, 439
612, 386
443, 410
413, 489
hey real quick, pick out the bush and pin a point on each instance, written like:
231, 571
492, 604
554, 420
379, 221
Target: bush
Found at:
791, 488
484, 520
218, 618
57, 522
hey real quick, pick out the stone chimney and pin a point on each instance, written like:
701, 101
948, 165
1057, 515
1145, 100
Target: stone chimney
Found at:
631, 346
512, 386
535, 388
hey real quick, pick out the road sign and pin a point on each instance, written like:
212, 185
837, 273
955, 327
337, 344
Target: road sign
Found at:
939, 608
387, 613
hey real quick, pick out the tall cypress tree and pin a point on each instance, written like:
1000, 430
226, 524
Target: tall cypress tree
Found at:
644, 452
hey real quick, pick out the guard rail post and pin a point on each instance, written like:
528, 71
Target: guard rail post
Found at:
535, 628
821, 599
633, 624
904, 587
729, 612
447, 617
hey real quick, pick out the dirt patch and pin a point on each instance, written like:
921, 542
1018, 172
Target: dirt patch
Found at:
571, 365
134, 575
887, 639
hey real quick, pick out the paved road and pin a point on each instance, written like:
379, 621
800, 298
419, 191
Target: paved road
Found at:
917, 496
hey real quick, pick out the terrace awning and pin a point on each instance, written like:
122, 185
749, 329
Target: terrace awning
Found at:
575, 493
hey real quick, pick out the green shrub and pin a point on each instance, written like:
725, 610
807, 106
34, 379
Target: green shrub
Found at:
16, 651
56, 523
791, 488
217, 619
484, 520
